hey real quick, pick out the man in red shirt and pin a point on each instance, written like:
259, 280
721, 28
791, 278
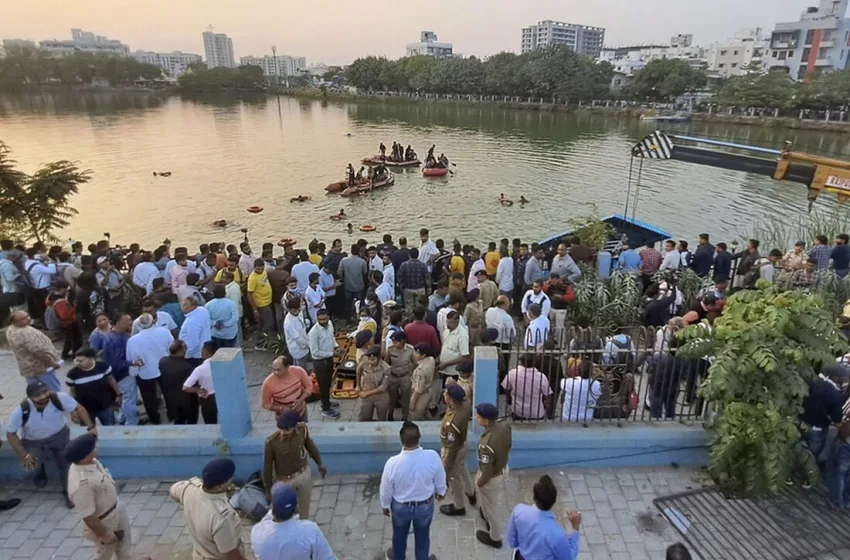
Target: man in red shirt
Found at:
420, 332
650, 262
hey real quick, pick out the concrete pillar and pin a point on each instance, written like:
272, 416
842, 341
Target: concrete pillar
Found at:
231, 393
485, 387
776, 112
827, 115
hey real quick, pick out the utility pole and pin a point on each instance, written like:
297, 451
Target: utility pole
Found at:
276, 74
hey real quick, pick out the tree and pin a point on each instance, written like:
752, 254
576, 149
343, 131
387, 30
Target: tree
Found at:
29, 67
767, 346
665, 80
829, 89
774, 90
37, 205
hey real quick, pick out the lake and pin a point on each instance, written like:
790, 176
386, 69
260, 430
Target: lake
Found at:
226, 154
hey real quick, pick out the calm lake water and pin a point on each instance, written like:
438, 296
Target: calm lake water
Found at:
225, 155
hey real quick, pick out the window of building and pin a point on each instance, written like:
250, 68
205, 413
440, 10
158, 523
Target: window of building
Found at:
806, 53
734, 65
723, 53
721, 65
774, 54
783, 55
735, 53
801, 73
823, 53
810, 36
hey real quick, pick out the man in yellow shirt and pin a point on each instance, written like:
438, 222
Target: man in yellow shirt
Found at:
457, 264
260, 298
314, 257
491, 260
233, 268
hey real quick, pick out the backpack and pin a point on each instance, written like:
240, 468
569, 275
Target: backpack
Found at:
51, 320
251, 499
24, 280
25, 407
752, 276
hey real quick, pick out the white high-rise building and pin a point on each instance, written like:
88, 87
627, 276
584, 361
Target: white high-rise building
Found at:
743, 52
84, 42
582, 39
286, 65
218, 49
174, 63
428, 45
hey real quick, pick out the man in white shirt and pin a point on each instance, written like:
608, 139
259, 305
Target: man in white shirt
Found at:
384, 292
145, 272
453, 304
477, 264
282, 534
144, 351
375, 261
38, 431
196, 328
498, 318
428, 251
455, 346
314, 297
41, 271
505, 273
409, 483
564, 266
200, 383
538, 327
246, 259
536, 295
191, 266
302, 272
389, 272
295, 334
672, 258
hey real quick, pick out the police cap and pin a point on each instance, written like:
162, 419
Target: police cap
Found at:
487, 411
80, 447
218, 471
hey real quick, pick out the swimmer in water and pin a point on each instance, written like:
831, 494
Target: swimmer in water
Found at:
523, 200
340, 216
350, 228
505, 201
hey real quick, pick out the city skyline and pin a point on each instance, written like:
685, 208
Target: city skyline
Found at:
321, 32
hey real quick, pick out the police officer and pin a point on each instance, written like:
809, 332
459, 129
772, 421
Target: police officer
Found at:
493, 450
95, 497
453, 449
372, 381
285, 459
211, 521
464, 378
402, 363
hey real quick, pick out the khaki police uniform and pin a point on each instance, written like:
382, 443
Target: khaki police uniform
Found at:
493, 450
212, 522
402, 363
421, 380
285, 460
466, 385
371, 379
93, 492
453, 449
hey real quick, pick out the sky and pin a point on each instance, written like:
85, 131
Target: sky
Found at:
338, 31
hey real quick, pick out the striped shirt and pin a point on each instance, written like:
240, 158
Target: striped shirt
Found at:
285, 390
91, 387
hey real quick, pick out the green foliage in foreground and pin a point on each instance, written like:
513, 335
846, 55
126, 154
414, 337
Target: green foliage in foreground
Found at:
768, 344
34, 206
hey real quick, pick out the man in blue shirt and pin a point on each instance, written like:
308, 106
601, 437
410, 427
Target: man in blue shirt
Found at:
534, 532
224, 318
841, 255
722, 263
629, 260
282, 534
703, 257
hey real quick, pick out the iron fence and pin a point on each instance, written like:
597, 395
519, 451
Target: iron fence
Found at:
583, 376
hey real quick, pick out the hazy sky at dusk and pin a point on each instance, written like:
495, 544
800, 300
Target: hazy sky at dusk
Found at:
337, 31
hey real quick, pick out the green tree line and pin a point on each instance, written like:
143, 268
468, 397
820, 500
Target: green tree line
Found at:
552, 72
776, 90
31, 67
201, 78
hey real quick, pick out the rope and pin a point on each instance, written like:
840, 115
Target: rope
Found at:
629, 191
637, 189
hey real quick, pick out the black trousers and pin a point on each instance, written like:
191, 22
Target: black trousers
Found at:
209, 410
37, 305
182, 406
324, 370
73, 336
147, 387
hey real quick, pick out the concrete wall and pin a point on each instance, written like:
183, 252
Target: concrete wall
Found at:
352, 447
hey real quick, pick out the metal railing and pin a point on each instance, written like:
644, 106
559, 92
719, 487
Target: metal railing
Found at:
586, 376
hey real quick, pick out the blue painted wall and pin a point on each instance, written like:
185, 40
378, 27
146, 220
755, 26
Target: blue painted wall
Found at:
182, 451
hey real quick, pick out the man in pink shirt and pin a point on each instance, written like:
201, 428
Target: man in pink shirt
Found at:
529, 390
179, 272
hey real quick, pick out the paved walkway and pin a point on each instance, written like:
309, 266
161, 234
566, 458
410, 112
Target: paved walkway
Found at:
620, 521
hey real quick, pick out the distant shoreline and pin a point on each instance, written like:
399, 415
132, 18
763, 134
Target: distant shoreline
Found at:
627, 112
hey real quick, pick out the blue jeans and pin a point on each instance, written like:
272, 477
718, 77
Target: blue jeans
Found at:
106, 417
815, 439
129, 398
48, 379
420, 515
837, 472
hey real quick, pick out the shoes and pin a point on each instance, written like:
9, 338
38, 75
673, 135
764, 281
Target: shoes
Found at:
473, 499
451, 510
484, 538
6, 505
68, 503
331, 413
807, 485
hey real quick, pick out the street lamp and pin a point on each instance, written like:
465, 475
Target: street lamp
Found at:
274, 56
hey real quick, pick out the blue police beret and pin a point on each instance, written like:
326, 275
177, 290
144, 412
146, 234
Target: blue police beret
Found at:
218, 471
284, 500
288, 419
424, 348
487, 411
465, 366
362, 338
398, 335
456, 392
80, 447
489, 335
